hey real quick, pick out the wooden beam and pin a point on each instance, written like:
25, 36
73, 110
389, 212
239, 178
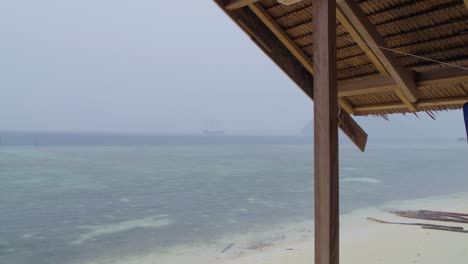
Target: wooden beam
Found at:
278, 53
448, 101
263, 15
356, 134
353, 131
444, 76
405, 100
282, 36
235, 4
360, 87
261, 35
326, 133
360, 41
370, 54
419, 105
375, 107
346, 105
403, 77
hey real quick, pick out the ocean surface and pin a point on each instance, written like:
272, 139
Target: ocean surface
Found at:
82, 201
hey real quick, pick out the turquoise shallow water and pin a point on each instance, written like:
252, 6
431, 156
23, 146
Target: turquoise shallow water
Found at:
69, 204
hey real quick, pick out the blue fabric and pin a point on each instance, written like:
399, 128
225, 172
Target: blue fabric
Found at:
465, 111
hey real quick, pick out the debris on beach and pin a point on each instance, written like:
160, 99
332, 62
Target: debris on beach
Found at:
430, 216
227, 248
433, 216
423, 225
260, 245
443, 228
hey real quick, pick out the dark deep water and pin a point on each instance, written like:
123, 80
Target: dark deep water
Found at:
69, 204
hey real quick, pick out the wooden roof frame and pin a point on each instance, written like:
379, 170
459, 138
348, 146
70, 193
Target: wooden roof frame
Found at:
367, 37
280, 52
388, 84
405, 83
327, 92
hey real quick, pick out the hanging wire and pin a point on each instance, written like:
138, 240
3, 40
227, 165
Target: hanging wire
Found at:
408, 54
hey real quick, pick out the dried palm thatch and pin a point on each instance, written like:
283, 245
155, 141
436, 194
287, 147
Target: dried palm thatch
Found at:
393, 56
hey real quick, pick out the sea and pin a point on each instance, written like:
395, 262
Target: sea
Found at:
85, 198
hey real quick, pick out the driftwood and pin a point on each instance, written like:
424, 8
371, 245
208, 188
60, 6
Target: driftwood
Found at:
423, 225
446, 213
227, 248
433, 216
445, 229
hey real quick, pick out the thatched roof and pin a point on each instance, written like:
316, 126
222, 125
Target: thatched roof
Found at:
378, 45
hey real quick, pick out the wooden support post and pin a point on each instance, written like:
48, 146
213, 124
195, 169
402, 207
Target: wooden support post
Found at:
326, 133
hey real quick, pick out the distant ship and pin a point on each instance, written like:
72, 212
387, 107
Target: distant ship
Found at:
213, 132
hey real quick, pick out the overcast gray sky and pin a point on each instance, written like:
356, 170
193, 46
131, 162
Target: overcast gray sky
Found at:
152, 66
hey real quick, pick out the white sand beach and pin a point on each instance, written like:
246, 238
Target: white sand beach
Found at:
362, 241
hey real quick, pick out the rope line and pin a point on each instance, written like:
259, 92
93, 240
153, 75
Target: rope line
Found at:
409, 54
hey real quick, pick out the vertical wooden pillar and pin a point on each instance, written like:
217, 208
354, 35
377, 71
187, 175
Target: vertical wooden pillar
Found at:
326, 133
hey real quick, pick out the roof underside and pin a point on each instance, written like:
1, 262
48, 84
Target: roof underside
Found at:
435, 29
